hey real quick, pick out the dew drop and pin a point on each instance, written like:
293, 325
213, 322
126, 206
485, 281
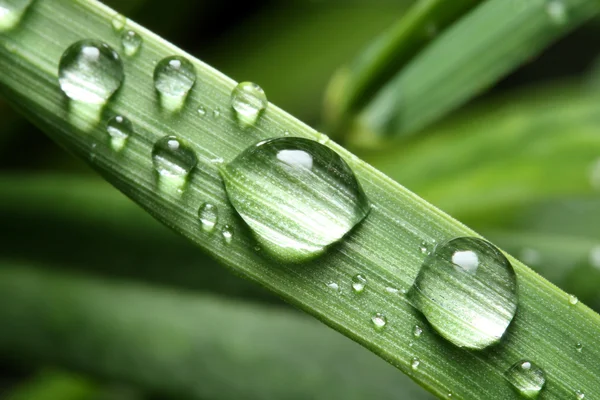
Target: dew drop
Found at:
119, 128
131, 42
90, 71
358, 283
172, 158
579, 395
201, 111
467, 290
174, 77
557, 11
424, 248
118, 22
298, 196
227, 233
248, 101
573, 300
415, 363
323, 138
527, 378
216, 113
379, 321
392, 290
11, 13
334, 286
417, 331
579, 347
209, 216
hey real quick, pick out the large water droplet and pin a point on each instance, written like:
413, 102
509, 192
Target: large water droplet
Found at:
379, 321
131, 42
11, 12
358, 283
297, 196
527, 378
90, 71
119, 128
209, 216
172, 158
173, 78
467, 290
248, 100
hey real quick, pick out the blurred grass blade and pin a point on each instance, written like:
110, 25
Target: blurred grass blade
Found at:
195, 347
385, 247
355, 84
91, 213
516, 151
470, 56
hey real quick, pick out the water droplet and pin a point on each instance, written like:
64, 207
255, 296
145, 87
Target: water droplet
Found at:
379, 321
467, 290
174, 77
118, 22
11, 13
209, 216
415, 363
227, 233
297, 195
201, 111
573, 300
579, 347
119, 128
424, 248
527, 378
131, 42
334, 286
417, 331
579, 395
286, 133
172, 158
358, 283
323, 138
248, 100
216, 113
90, 71
557, 11
392, 290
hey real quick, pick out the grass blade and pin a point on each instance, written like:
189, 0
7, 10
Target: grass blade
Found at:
385, 247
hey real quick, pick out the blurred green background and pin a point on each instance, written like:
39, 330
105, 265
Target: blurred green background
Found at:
518, 163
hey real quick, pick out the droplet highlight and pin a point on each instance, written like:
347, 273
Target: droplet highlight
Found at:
11, 13
248, 100
379, 321
209, 216
173, 160
297, 196
467, 290
358, 283
527, 378
119, 128
90, 71
131, 42
417, 331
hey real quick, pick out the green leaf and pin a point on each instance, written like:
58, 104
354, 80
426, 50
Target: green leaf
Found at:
384, 247
476, 51
183, 345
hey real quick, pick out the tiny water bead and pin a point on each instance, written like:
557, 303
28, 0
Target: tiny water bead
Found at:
201, 111
90, 71
424, 248
467, 290
334, 286
248, 101
209, 216
358, 283
415, 363
11, 13
579, 395
227, 233
417, 331
298, 196
118, 22
379, 321
579, 347
174, 76
573, 300
119, 128
527, 378
131, 42
172, 158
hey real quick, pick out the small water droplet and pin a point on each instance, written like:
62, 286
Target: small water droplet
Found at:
131, 42
467, 290
334, 286
174, 77
201, 111
90, 71
11, 13
392, 290
119, 128
172, 158
323, 138
379, 321
579, 395
227, 233
286, 133
216, 113
417, 331
358, 283
527, 378
217, 160
118, 22
579, 347
415, 363
310, 198
248, 100
424, 248
209, 216
573, 300
557, 11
